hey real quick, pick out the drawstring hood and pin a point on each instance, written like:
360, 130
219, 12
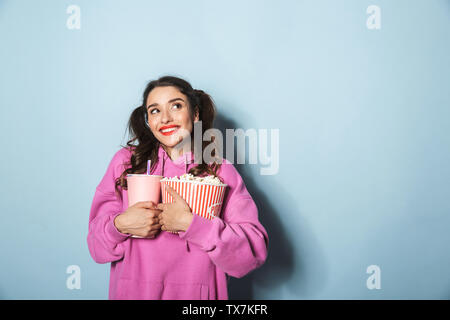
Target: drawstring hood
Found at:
184, 160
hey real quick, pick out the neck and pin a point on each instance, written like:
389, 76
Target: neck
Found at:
174, 152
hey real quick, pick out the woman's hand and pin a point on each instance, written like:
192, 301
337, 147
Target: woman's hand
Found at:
176, 216
141, 219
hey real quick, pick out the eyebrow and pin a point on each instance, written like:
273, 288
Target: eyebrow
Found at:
170, 101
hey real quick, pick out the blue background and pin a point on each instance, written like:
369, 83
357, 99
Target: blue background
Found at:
363, 116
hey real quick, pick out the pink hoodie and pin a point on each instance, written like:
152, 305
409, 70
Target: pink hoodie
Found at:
191, 265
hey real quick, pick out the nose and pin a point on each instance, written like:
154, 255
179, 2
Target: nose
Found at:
166, 117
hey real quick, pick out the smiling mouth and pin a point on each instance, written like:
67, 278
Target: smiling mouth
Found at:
169, 130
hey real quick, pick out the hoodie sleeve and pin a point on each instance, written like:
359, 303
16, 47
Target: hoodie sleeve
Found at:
105, 242
237, 242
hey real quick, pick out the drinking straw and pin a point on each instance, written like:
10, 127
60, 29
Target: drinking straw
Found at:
149, 163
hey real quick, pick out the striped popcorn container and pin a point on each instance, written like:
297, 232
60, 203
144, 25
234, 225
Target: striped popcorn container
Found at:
204, 199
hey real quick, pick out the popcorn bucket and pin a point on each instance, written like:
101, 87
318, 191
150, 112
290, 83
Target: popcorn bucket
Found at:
204, 199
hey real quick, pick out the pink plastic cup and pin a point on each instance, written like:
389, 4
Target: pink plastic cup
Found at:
143, 187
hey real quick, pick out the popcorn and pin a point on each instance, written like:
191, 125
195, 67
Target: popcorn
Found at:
192, 178
204, 195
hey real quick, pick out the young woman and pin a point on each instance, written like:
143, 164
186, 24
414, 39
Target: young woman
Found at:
194, 260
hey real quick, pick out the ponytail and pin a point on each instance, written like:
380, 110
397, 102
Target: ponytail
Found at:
206, 113
205, 108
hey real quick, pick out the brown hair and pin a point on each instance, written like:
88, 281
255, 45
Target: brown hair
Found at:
143, 143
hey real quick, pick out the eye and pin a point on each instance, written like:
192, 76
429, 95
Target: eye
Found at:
177, 106
154, 110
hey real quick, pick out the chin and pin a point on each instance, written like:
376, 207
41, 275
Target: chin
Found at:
175, 139
169, 142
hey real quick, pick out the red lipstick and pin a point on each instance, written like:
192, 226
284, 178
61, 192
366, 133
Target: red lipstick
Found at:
169, 130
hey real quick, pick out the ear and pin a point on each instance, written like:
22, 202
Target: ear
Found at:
196, 115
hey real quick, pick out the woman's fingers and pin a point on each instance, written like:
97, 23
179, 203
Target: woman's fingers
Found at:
154, 220
145, 204
173, 193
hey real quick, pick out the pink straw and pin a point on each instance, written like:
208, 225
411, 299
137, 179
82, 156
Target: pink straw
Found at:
149, 163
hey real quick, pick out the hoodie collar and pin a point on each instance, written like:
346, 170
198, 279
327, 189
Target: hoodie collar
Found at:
185, 158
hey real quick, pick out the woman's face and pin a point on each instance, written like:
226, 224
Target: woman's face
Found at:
169, 115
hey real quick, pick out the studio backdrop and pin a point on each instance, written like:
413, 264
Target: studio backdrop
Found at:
343, 107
